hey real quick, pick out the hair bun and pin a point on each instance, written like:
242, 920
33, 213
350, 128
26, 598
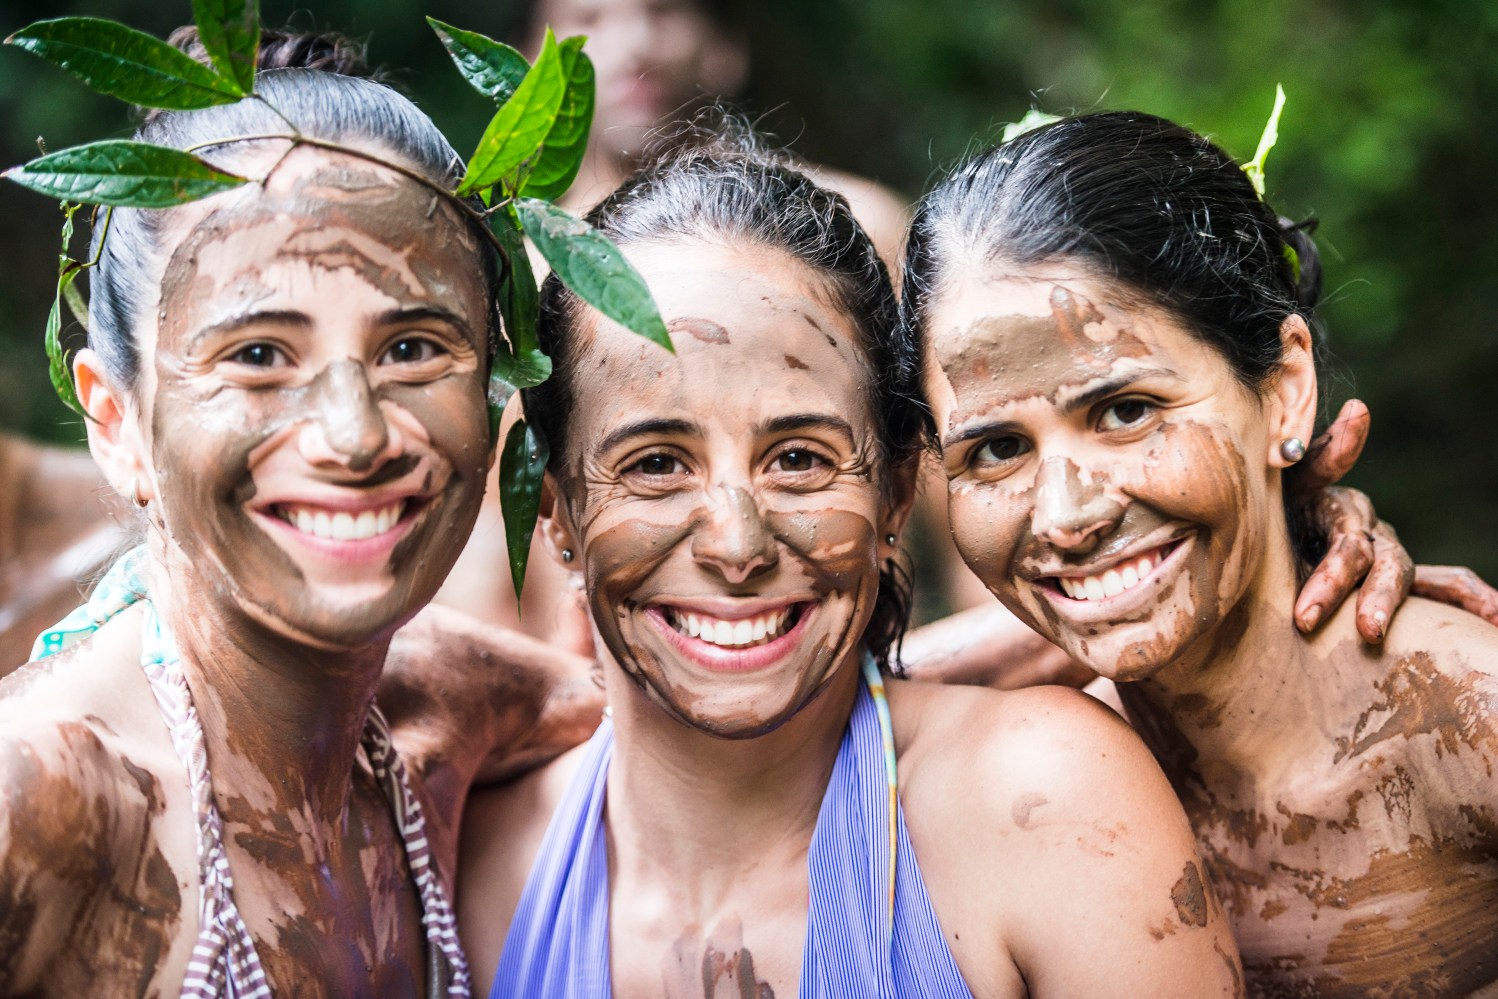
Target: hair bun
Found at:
327, 51
1297, 236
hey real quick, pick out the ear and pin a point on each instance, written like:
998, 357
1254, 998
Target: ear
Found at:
114, 433
1293, 394
896, 509
556, 525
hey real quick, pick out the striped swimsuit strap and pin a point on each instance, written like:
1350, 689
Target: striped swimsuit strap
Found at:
224, 961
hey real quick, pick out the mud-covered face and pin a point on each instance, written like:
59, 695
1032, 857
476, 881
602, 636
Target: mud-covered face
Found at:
725, 501
315, 398
1106, 471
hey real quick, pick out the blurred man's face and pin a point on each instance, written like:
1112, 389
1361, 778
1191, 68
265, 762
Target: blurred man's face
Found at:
654, 58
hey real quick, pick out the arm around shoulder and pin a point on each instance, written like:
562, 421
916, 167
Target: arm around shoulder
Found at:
1077, 861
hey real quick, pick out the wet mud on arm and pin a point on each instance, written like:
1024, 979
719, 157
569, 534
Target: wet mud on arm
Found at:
987, 647
471, 703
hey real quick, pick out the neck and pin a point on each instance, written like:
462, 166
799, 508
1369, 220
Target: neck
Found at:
700, 812
282, 721
1249, 704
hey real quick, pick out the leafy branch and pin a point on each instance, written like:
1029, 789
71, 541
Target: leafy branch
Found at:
528, 155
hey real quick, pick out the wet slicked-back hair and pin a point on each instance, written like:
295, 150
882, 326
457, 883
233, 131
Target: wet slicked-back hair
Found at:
727, 188
318, 83
1136, 199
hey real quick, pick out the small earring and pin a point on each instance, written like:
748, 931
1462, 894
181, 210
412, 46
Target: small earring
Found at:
1292, 449
567, 555
890, 540
135, 494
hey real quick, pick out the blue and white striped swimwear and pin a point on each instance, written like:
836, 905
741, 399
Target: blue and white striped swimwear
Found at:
856, 945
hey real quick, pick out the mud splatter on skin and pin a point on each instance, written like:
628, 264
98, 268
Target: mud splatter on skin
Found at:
1024, 805
1040, 486
793, 361
703, 329
716, 967
1419, 699
724, 475
1190, 897
88, 868
332, 251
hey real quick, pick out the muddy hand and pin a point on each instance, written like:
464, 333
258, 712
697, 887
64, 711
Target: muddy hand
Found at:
1360, 547
1458, 586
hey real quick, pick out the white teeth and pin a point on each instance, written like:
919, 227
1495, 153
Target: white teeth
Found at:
730, 634
343, 526
1109, 583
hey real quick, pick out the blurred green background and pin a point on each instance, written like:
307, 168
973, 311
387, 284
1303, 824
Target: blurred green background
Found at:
1389, 138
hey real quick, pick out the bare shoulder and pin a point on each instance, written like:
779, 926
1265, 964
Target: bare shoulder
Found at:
1053, 847
503, 828
82, 793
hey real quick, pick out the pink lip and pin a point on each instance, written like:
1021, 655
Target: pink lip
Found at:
720, 660
1105, 610
350, 552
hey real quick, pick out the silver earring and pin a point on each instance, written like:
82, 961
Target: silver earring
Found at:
135, 494
890, 540
1292, 449
567, 555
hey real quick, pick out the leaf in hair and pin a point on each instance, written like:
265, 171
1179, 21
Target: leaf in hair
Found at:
230, 33
68, 270
562, 152
126, 63
519, 303
492, 68
589, 264
519, 127
522, 466
124, 174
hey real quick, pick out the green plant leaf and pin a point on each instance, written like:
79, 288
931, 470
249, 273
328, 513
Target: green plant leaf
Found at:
593, 268
518, 128
522, 466
1255, 167
230, 32
125, 174
492, 68
68, 270
519, 301
562, 152
126, 63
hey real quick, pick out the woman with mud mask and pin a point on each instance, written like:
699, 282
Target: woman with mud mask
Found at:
289, 380
734, 828
1119, 341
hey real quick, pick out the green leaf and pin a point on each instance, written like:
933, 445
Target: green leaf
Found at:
125, 174
1255, 167
593, 268
230, 32
519, 301
562, 152
68, 270
518, 128
492, 68
126, 63
522, 466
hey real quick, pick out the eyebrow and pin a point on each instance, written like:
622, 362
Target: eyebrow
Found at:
975, 432
643, 428
1103, 390
417, 313
273, 317
806, 421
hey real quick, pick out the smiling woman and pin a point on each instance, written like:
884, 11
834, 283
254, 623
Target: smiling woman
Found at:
290, 379
1123, 386
738, 827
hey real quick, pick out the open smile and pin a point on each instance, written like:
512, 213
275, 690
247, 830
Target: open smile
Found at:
1121, 579
735, 643
341, 525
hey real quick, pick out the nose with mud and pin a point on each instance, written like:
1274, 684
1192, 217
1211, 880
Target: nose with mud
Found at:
730, 534
1071, 515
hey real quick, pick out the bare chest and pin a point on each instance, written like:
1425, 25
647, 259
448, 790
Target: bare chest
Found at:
1376, 883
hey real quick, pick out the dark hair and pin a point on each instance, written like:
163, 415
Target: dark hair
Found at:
1140, 200
729, 189
321, 103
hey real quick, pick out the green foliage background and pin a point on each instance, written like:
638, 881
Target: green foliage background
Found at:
1390, 137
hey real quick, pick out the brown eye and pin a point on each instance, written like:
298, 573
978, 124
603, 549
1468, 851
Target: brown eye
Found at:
257, 355
656, 465
1125, 413
798, 460
411, 350
1000, 449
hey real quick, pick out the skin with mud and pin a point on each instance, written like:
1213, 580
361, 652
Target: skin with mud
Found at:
729, 516
1118, 488
309, 431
